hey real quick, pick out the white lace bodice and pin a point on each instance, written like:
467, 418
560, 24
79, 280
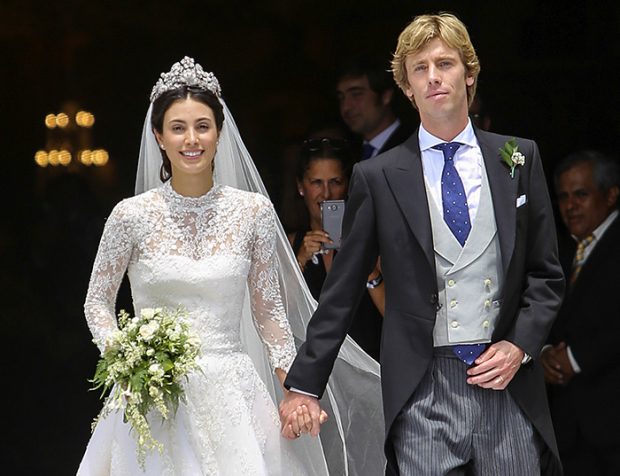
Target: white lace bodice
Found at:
197, 253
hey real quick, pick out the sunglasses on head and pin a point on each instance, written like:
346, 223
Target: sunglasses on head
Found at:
312, 145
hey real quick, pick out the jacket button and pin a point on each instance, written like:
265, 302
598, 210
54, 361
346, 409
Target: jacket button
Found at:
434, 298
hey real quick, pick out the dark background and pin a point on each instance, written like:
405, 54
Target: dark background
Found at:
549, 72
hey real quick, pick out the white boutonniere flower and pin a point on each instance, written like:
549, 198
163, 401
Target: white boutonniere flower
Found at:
511, 156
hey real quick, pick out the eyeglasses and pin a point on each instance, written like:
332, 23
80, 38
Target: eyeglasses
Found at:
312, 145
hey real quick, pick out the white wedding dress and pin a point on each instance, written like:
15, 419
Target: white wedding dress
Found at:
202, 254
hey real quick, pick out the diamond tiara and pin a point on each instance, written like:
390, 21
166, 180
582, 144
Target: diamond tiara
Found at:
186, 73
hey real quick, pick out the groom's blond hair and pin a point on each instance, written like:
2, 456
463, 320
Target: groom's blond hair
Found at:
425, 28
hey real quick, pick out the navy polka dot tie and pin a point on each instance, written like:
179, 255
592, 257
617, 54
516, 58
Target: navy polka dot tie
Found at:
455, 210
468, 353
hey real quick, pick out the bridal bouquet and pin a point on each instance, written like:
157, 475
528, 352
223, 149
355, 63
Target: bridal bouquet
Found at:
143, 364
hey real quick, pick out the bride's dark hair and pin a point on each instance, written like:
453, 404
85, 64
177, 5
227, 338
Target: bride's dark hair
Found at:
163, 103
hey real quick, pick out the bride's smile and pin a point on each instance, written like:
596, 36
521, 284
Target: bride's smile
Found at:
189, 138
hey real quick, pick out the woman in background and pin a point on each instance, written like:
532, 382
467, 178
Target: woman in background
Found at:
323, 174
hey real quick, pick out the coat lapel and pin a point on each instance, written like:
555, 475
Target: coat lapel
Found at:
406, 181
503, 191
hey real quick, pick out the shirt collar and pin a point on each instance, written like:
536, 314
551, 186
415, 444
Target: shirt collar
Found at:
428, 140
380, 139
602, 228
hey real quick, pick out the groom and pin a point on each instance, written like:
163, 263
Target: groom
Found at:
468, 253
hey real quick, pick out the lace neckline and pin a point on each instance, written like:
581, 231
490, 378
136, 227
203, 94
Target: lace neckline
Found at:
171, 195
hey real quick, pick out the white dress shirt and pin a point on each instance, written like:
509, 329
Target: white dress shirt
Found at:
467, 161
380, 139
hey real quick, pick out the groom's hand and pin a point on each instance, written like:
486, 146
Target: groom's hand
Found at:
300, 414
496, 366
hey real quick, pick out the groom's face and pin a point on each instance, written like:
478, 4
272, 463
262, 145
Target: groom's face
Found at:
438, 82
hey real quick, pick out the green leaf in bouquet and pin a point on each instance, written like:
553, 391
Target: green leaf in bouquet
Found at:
162, 356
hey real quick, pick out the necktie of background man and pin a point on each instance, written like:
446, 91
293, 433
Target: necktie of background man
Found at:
367, 151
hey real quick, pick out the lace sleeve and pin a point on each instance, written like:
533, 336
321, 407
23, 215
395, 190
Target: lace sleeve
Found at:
267, 308
110, 264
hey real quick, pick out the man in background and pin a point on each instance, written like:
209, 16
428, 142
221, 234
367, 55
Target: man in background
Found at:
582, 362
366, 93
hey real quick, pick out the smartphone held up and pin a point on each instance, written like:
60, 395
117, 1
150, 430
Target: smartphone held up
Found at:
332, 212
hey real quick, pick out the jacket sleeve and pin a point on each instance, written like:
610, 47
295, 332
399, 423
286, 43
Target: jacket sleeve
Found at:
541, 278
341, 292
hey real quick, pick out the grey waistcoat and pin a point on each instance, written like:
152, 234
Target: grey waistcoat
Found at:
469, 277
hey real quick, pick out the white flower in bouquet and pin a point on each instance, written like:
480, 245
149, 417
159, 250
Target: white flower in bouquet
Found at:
154, 392
156, 370
147, 313
147, 331
193, 342
174, 333
143, 365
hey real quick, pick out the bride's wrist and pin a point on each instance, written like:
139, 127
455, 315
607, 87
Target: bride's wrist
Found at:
281, 374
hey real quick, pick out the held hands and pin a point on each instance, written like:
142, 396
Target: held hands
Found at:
300, 414
496, 366
556, 365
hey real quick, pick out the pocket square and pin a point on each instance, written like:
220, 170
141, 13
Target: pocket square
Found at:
522, 200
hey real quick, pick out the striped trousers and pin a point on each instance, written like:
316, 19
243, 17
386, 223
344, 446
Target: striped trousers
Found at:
452, 428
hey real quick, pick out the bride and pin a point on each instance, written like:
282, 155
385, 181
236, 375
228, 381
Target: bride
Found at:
201, 234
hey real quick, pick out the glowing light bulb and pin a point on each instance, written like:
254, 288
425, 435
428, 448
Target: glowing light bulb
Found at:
52, 157
84, 119
62, 120
41, 158
100, 157
86, 157
64, 157
50, 121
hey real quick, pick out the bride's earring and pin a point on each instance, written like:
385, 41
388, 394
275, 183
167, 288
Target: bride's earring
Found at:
162, 146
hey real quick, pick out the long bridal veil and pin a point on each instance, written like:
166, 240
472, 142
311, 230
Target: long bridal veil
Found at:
351, 442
